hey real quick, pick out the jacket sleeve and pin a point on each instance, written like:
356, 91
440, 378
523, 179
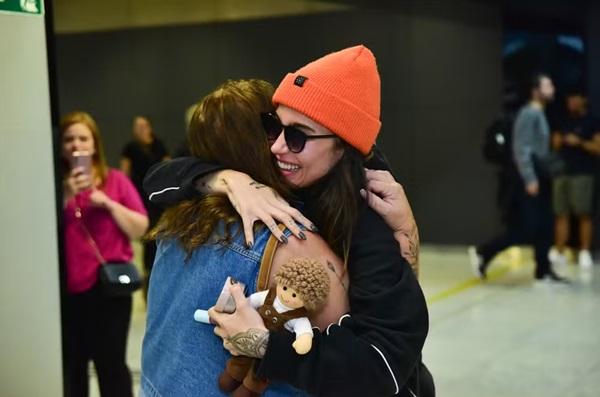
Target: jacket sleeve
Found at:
522, 146
170, 182
374, 349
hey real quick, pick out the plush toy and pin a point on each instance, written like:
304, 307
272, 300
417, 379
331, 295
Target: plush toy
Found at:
302, 286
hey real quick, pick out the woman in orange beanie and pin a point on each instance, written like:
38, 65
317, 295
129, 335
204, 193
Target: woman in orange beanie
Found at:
321, 134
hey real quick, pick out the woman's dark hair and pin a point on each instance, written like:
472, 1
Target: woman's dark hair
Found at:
334, 201
226, 128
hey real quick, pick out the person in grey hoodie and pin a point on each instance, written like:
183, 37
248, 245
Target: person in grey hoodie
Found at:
533, 211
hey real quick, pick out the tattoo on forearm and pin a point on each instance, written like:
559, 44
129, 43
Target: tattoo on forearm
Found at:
207, 187
257, 185
411, 252
251, 343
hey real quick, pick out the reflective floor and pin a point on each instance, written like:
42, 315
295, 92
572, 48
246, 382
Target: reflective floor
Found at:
507, 336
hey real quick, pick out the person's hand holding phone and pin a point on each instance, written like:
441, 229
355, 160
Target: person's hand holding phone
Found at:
80, 177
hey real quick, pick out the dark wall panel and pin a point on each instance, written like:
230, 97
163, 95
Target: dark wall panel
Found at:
441, 77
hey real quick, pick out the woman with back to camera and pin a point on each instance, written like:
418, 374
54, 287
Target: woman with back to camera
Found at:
102, 213
325, 124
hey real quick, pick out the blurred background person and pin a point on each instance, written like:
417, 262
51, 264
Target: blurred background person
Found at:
577, 140
533, 165
183, 149
137, 157
102, 212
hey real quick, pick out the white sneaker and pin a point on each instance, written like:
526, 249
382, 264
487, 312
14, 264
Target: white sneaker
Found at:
558, 260
476, 263
585, 259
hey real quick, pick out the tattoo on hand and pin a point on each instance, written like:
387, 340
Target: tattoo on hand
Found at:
257, 185
251, 343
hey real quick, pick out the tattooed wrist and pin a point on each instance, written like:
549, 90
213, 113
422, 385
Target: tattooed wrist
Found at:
251, 343
410, 245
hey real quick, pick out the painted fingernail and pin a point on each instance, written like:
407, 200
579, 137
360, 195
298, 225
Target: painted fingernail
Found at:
314, 228
250, 244
284, 239
302, 236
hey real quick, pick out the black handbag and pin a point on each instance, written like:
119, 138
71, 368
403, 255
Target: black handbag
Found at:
116, 278
119, 278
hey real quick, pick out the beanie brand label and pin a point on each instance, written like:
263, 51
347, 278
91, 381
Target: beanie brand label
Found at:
299, 81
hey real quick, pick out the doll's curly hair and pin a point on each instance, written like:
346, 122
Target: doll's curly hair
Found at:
310, 280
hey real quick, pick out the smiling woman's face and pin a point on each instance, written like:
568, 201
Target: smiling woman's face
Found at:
316, 159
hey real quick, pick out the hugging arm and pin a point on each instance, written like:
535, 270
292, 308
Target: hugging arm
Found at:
169, 182
375, 348
172, 181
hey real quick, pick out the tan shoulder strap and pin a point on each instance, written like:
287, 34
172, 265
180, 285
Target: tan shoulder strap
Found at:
264, 272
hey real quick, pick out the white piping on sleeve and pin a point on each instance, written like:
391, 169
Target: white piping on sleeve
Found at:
339, 323
327, 329
162, 191
341, 318
389, 368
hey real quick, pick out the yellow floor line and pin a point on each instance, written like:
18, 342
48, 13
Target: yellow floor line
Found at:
492, 275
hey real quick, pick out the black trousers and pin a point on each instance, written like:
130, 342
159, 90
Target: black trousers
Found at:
532, 223
97, 328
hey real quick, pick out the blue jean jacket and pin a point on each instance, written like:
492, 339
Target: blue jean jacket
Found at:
182, 357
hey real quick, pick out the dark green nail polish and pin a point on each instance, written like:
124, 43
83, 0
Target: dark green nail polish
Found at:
284, 239
302, 236
314, 228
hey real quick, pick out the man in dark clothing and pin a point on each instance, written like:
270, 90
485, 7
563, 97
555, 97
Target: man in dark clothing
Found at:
530, 149
137, 157
577, 141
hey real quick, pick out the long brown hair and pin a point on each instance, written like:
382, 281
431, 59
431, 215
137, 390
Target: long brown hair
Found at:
334, 202
226, 129
98, 158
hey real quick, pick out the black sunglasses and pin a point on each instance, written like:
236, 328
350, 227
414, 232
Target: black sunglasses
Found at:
295, 138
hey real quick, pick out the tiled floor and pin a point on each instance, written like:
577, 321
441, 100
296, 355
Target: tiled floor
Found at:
505, 337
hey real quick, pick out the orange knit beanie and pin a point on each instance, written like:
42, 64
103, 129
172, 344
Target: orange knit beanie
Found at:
340, 91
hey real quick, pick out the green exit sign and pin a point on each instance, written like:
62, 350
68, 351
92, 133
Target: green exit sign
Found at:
34, 7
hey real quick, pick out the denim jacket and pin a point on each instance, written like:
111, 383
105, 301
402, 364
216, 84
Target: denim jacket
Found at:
182, 357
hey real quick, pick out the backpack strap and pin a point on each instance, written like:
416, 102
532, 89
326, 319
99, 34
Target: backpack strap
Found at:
264, 272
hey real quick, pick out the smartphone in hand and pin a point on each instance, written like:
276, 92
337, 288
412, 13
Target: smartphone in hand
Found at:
82, 159
225, 302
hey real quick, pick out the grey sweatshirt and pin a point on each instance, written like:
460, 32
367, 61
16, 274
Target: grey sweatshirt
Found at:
531, 137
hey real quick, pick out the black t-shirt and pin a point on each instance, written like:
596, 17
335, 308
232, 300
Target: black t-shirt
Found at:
143, 157
578, 161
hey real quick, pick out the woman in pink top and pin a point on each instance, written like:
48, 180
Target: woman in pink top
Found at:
104, 203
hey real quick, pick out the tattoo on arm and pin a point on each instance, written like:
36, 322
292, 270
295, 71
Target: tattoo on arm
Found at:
206, 186
411, 251
251, 343
332, 268
257, 185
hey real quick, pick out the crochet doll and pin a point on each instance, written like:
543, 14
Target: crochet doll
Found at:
302, 286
